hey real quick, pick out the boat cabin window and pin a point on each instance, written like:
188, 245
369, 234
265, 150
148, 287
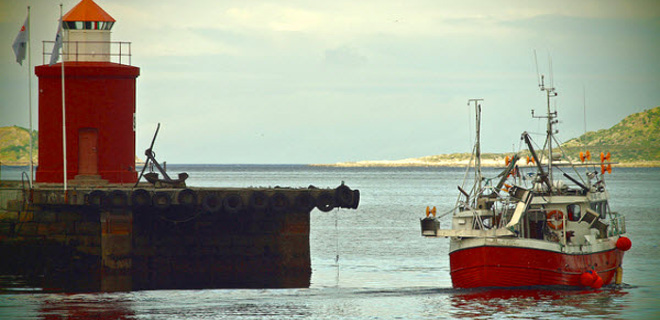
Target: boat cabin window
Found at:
574, 212
600, 207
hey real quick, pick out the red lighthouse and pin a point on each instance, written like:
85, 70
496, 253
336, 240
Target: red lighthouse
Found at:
99, 98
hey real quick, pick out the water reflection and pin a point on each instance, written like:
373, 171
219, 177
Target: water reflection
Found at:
535, 303
85, 306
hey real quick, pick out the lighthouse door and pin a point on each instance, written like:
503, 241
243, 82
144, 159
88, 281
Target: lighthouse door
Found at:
87, 151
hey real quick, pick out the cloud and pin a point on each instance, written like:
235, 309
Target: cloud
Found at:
345, 56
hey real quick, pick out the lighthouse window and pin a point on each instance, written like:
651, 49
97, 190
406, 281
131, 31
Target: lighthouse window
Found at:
106, 25
73, 25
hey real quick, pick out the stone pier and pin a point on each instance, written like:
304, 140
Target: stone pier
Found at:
119, 238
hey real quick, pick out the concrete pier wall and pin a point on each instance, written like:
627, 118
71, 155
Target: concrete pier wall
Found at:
118, 238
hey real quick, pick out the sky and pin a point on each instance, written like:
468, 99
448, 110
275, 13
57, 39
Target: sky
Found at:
297, 82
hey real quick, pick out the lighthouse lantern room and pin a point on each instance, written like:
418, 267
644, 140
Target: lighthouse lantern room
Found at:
87, 33
99, 99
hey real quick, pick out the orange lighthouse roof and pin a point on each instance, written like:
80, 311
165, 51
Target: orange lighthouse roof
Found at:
87, 10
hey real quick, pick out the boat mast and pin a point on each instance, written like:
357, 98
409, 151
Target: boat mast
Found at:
551, 116
477, 111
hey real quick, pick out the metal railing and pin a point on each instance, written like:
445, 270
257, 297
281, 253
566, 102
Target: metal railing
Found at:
73, 52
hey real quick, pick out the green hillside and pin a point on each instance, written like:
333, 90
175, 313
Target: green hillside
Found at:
635, 140
15, 145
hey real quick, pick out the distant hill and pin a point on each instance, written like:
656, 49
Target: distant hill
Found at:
15, 145
635, 141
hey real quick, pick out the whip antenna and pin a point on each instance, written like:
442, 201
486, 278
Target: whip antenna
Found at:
552, 77
538, 77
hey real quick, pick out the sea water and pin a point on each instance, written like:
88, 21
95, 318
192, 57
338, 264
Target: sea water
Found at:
373, 263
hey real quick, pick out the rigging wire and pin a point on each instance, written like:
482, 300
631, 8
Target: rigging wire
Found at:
569, 160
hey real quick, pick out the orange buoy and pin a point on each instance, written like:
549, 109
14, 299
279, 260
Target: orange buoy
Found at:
587, 279
604, 156
623, 244
588, 155
507, 160
428, 211
530, 160
582, 156
555, 219
598, 282
433, 211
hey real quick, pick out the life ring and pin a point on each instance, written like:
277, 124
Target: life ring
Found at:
344, 196
140, 198
211, 202
278, 202
187, 197
555, 219
162, 200
258, 201
305, 201
325, 202
356, 199
96, 198
118, 198
232, 203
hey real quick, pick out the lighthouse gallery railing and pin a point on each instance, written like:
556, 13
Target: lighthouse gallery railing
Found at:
118, 50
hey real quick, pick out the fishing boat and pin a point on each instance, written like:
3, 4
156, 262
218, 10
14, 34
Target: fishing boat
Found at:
534, 227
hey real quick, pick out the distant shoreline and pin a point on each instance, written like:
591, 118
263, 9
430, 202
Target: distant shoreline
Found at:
389, 164
484, 163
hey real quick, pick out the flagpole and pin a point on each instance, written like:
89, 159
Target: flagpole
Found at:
29, 68
63, 115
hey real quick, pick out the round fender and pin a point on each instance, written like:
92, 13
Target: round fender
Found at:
162, 200
140, 198
623, 243
232, 203
305, 201
278, 202
325, 202
117, 199
356, 199
343, 196
187, 197
211, 202
258, 201
555, 219
96, 198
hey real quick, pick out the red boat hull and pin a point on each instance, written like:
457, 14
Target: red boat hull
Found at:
506, 266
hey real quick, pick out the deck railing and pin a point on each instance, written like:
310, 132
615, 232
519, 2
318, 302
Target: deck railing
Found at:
119, 51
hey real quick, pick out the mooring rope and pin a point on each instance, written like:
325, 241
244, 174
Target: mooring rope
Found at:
337, 247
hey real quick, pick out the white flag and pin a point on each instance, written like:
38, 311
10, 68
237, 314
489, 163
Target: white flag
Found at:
56, 47
20, 43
